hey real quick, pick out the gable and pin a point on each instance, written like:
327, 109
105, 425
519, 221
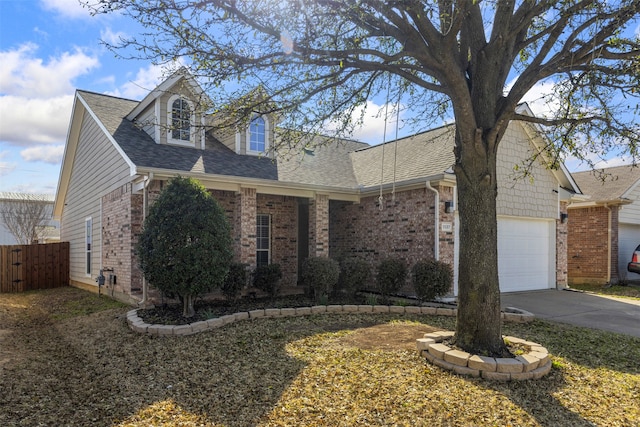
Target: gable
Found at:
535, 195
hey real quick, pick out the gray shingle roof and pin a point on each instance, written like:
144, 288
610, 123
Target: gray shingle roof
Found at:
144, 152
327, 164
342, 163
607, 184
418, 156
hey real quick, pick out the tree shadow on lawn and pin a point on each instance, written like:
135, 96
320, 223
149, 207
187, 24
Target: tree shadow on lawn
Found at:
93, 370
591, 348
573, 349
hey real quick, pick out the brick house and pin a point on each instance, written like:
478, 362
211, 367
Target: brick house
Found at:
344, 198
605, 228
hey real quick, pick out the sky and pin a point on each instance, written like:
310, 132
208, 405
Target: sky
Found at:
50, 48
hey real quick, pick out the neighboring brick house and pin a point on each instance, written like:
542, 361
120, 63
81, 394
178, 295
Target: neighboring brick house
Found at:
604, 229
285, 207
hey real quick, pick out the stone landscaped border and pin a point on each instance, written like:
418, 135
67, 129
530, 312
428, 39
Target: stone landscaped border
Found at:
137, 324
534, 364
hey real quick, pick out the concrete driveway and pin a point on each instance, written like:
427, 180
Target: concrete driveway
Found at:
580, 309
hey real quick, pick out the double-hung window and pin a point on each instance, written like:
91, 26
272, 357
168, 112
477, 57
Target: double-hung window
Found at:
263, 239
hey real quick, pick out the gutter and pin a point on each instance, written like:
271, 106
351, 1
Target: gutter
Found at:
145, 210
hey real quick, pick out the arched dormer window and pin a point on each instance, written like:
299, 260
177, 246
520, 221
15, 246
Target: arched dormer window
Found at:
258, 135
180, 117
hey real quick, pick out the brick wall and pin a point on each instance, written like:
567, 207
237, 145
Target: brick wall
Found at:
403, 229
284, 233
319, 226
121, 223
587, 245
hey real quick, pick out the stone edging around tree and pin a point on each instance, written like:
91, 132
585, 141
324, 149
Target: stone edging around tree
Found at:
137, 324
533, 364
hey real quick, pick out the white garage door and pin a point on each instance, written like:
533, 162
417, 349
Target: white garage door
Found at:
628, 240
526, 254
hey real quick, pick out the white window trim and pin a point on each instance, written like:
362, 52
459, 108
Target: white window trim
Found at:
192, 120
268, 250
88, 250
266, 136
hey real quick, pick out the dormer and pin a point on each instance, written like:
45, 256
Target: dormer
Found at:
173, 112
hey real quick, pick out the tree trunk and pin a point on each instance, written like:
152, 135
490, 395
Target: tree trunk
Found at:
478, 327
187, 306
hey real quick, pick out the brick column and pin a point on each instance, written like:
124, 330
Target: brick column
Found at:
246, 230
319, 226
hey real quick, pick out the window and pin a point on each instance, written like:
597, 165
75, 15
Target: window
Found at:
263, 240
180, 120
87, 235
257, 135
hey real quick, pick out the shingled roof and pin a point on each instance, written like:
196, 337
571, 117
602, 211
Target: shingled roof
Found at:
142, 150
608, 184
340, 163
418, 156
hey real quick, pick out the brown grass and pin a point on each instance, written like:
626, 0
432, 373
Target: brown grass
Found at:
629, 291
89, 368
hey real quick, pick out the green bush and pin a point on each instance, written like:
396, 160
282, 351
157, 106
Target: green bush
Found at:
267, 278
431, 279
392, 275
185, 245
236, 280
319, 276
354, 275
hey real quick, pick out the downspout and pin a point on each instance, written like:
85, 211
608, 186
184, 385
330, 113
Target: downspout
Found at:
606, 206
145, 208
436, 232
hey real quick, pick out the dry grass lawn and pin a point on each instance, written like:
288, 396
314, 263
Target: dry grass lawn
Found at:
68, 358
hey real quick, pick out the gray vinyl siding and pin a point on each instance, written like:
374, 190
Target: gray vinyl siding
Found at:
630, 214
97, 169
147, 120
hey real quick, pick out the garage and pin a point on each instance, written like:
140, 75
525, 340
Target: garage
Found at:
526, 254
628, 240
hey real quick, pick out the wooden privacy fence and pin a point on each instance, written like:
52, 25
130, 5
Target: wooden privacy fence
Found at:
28, 267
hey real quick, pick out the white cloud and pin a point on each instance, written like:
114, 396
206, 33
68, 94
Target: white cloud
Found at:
51, 154
112, 37
24, 74
145, 80
25, 121
372, 128
539, 98
6, 167
577, 165
67, 8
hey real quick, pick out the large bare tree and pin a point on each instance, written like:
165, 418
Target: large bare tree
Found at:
26, 216
316, 62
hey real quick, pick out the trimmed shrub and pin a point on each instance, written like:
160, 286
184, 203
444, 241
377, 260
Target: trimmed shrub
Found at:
392, 275
185, 245
319, 276
431, 279
236, 280
267, 278
354, 275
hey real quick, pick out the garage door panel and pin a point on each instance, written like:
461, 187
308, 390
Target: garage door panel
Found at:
525, 254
